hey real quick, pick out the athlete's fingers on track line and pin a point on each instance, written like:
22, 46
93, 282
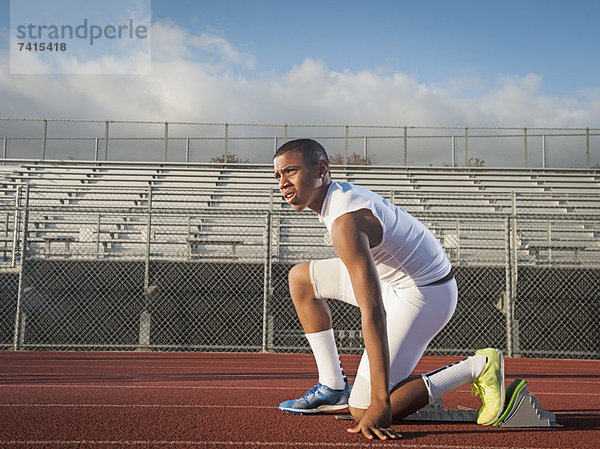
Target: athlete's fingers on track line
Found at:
383, 433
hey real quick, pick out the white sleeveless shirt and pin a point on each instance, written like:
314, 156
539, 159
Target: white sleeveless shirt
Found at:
409, 254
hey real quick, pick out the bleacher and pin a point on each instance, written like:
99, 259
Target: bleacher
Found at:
82, 209
431, 179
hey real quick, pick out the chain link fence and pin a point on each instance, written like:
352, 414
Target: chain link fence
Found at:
48, 139
191, 270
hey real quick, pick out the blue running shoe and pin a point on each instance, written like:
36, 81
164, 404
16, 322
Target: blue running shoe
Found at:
319, 398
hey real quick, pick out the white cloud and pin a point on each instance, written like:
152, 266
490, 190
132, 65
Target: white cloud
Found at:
203, 77
171, 43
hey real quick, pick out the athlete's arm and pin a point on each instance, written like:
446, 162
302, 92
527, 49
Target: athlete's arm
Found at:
353, 234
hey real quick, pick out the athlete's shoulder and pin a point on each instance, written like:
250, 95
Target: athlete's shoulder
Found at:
344, 194
344, 197
342, 189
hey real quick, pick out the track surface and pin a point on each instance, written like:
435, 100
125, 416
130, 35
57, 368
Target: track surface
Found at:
108, 400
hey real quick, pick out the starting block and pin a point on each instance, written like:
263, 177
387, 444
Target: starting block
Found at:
521, 409
436, 412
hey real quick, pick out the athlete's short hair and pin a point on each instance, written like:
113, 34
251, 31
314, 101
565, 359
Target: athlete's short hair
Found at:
311, 150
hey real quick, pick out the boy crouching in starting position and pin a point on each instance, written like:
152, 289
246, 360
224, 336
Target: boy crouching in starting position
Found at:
393, 268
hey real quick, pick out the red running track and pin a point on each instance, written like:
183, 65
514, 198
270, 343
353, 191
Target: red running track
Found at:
173, 400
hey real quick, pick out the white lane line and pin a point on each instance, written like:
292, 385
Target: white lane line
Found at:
134, 406
230, 373
141, 366
224, 387
153, 387
175, 406
397, 443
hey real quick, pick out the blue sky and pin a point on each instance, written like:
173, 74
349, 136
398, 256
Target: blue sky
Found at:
433, 41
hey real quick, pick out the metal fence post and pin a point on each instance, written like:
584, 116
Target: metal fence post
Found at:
405, 146
96, 149
346, 145
106, 140
510, 306
525, 146
18, 328
458, 238
144, 333
187, 150
166, 149
15, 242
453, 151
148, 239
587, 148
5, 147
544, 151
226, 143
98, 228
267, 285
466, 147
44, 136
365, 149
508, 284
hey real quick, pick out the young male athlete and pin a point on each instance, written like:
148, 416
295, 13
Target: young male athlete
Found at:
393, 268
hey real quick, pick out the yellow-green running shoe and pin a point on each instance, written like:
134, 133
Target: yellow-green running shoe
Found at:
490, 387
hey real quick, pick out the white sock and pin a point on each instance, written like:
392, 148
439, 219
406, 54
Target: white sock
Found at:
328, 360
449, 378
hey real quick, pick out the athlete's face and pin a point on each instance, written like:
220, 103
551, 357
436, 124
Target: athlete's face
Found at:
301, 183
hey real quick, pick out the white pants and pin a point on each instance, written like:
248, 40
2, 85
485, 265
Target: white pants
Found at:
414, 316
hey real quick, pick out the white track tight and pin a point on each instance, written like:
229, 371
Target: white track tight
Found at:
414, 316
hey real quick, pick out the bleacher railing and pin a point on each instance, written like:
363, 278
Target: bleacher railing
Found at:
170, 269
176, 141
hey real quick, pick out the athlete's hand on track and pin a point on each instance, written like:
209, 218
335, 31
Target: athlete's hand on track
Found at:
376, 422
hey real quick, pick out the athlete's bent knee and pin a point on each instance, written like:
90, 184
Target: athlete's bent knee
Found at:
299, 280
299, 273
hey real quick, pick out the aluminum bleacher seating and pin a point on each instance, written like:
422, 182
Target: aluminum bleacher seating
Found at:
205, 211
